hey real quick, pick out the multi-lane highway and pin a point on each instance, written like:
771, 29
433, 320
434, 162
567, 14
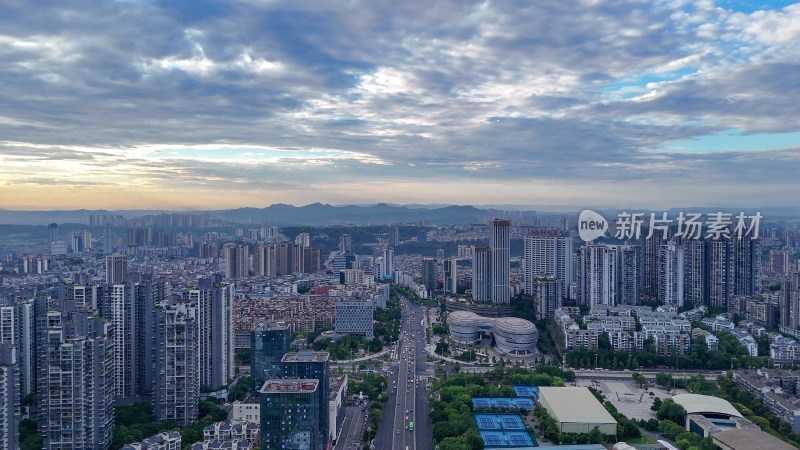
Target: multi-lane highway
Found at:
408, 396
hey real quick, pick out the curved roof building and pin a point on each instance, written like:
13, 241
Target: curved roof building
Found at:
511, 335
705, 405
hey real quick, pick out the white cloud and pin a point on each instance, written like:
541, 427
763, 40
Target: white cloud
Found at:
458, 91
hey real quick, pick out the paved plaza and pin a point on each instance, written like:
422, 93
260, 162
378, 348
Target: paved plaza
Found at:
629, 399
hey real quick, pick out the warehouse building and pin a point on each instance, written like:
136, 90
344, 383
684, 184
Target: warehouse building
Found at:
706, 415
576, 410
741, 439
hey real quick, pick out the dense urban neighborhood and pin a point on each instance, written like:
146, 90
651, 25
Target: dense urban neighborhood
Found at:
202, 332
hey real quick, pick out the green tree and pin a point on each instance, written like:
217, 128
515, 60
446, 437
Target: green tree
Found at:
669, 410
656, 404
474, 440
596, 436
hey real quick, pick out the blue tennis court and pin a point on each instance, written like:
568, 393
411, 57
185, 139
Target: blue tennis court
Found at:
480, 402
519, 440
510, 422
523, 403
507, 403
493, 439
526, 391
499, 439
503, 402
486, 422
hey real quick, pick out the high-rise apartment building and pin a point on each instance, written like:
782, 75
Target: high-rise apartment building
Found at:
695, 286
177, 387
237, 261
123, 316
388, 262
345, 244
116, 268
214, 309
303, 239
76, 384
290, 411
312, 259
269, 341
108, 239
548, 294
746, 265
17, 331
598, 277
394, 235
794, 302
264, 260
500, 261
25, 328
429, 274
8, 325
720, 283
785, 304
147, 296
630, 261
284, 259
450, 276
671, 276
650, 266
77, 242
778, 262
548, 254
188, 240
52, 230
9, 398
80, 240
480, 275
734, 268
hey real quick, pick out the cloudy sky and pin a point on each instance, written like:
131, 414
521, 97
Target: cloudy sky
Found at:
216, 104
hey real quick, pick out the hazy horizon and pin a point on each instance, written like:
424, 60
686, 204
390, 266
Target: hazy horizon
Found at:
500, 207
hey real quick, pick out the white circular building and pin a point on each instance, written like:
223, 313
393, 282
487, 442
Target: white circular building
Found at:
510, 335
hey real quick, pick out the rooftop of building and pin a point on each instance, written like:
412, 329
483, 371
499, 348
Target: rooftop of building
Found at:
223, 426
269, 325
746, 439
713, 426
221, 445
705, 404
335, 383
306, 357
575, 405
290, 385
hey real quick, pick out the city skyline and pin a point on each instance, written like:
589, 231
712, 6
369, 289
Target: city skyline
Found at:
134, 105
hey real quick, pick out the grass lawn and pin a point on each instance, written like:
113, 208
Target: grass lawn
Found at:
641, 440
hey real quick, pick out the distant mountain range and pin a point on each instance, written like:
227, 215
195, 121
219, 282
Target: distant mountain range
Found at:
380, 213
278, 214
